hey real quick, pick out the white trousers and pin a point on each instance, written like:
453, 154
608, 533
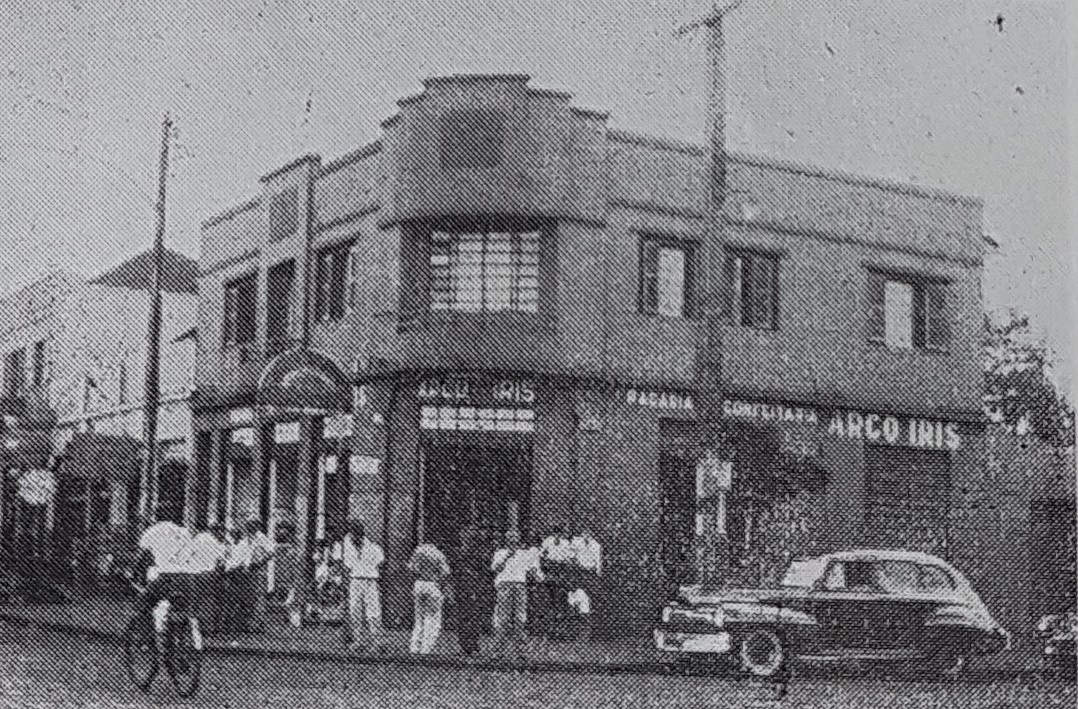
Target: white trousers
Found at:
428, 617
364, 608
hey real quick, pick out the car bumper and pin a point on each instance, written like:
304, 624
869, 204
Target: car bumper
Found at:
709, 643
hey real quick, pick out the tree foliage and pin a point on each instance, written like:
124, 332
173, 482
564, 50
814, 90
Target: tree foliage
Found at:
1020, 392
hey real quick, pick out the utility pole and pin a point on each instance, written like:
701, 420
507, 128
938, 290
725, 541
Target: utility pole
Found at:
713, 552
152, 392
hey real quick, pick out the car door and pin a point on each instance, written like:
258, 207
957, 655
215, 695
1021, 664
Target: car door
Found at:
844, 606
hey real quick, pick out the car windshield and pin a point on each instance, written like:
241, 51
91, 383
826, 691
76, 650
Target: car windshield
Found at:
802, 574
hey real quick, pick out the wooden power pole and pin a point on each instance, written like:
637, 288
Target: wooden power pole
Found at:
152, 391
713, 553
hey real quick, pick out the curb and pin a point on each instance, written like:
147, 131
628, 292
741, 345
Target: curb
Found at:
218, 649
214, 648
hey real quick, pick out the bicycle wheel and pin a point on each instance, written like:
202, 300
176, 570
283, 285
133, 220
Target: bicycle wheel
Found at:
183, 656
140, 653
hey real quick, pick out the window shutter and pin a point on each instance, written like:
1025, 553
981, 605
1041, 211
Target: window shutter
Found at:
729, 285
351, 283
877, 329
920, 319
340, 265
937, 325
762, 277
748, 288
649, 278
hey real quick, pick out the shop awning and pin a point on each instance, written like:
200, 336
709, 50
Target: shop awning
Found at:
97, 456
304, 379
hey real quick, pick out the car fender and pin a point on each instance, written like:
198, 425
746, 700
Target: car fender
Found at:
765, 613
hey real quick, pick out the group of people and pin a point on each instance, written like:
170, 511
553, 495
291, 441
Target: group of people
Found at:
215, 565
220, 568
565, 571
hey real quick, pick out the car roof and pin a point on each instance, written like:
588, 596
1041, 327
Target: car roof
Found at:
917, 557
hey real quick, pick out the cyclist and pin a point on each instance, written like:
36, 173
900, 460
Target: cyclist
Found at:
167, 560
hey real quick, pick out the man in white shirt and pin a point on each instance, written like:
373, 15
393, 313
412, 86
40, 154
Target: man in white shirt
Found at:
512, 567
167, 556
363, 559
559, 566
431, 568
589, 559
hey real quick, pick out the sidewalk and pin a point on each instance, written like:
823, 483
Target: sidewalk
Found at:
105, 618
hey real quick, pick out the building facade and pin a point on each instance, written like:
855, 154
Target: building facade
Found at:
75, 354
535, 330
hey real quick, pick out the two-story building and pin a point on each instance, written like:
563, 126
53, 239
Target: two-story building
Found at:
74, 365
504, 313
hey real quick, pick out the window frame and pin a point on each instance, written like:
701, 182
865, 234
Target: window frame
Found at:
291, 305
930, 321
231, 320
332, 280
284, 214
38, 364
740, 264
521, 272
649, 245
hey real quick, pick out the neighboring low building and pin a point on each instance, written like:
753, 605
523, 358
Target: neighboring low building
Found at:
76, 349
517, 300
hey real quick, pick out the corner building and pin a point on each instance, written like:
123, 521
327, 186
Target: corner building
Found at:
494, 315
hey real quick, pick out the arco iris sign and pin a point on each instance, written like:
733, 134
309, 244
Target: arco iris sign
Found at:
871, 427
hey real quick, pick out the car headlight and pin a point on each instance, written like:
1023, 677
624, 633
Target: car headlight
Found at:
1044, 624
668, 613
718, 617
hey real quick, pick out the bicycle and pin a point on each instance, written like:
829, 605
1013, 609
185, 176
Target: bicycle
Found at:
180, 650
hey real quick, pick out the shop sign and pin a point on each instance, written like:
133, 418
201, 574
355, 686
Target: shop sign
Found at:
713, 476
891, 429
663, 400
238, 417
287, 432
364, 465
337, 426
37, 486
243, 436
503, 392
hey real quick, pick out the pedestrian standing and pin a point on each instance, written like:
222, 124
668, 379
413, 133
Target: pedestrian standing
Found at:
363, 558
431, 568
589, 560
513, 567
558, 565
470, 585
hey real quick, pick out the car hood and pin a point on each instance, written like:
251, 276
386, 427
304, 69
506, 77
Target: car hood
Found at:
703, 596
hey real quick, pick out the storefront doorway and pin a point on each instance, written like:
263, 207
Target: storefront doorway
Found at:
482, 484
677, 511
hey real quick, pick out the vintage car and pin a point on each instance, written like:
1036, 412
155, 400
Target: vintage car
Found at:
1058, 632
865, 605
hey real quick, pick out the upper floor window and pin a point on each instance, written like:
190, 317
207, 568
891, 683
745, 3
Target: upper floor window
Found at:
280, 301
486, 271
284, 214
908, 312
665, 278
240, 298
15, 373
335, 282
753, 278
38, 363
471, 139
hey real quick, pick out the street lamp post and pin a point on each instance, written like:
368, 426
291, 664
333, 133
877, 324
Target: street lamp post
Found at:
713, 545
152, 395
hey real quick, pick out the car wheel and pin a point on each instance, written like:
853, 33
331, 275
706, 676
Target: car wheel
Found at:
762, 653
947, 663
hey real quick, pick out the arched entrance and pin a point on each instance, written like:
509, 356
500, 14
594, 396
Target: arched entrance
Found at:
302, 468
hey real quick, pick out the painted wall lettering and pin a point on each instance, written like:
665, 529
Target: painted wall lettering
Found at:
445, 389
659, 399
517, 391
854, 425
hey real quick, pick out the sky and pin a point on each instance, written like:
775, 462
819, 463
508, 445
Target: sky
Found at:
939, 93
